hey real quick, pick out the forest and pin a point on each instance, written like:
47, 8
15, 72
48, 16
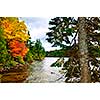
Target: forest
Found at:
78, 39
17, 50
58, 53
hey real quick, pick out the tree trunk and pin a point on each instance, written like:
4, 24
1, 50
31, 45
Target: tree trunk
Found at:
83, 51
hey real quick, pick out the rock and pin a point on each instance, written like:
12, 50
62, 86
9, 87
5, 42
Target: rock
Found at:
16, 74
14, 77
52, 72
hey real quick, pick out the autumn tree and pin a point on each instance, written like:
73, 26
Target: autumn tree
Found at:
83, 35
14, 29
6, 60
15, 33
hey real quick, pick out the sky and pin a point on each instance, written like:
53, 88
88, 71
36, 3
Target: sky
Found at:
38, 27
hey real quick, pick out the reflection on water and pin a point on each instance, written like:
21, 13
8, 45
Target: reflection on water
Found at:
41, 72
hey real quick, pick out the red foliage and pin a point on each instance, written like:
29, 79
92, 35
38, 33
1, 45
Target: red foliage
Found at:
18, 48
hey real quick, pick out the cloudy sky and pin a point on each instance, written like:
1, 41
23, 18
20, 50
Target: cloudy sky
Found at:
38, 28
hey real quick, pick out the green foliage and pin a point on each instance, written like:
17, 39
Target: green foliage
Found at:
60, 30
36, 51
58, 53
10, 63
64, 32
55, 53
5, 58
29, 56
20, 60
58, 63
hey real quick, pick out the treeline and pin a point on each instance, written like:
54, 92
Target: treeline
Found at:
58, 53
36, 51
16, 47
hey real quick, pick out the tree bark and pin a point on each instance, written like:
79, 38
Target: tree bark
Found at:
83, 51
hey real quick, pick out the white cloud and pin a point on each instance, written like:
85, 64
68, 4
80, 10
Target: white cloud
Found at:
38, 33
38, 27
48, 47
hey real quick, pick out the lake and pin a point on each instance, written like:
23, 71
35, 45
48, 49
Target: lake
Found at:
41, 72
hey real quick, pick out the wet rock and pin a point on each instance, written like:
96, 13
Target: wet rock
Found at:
14, 77
52, 72
15, 74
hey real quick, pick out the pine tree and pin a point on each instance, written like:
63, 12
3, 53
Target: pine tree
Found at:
83, 51
68, 31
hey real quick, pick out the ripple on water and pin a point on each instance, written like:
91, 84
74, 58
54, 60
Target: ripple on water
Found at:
41, 72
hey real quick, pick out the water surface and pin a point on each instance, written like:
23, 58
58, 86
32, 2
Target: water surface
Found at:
41, 72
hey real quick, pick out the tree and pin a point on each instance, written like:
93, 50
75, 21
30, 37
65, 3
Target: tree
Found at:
68, 31
16, 35
14, 29
57, 53
83, 51
3, 49
29, 55
6, 60
36, 51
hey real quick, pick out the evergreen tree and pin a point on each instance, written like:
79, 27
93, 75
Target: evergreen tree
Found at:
83, 35
36, 51
83, 51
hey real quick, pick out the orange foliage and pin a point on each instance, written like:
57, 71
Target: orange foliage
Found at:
18, 48
14, 29
16, 34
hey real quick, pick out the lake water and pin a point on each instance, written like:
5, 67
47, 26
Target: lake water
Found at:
41, 72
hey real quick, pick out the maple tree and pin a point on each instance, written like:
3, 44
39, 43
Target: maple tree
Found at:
6, 60
18, 48
14, 29
15, 32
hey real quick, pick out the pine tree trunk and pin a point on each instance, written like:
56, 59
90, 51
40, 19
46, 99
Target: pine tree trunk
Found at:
83, 52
